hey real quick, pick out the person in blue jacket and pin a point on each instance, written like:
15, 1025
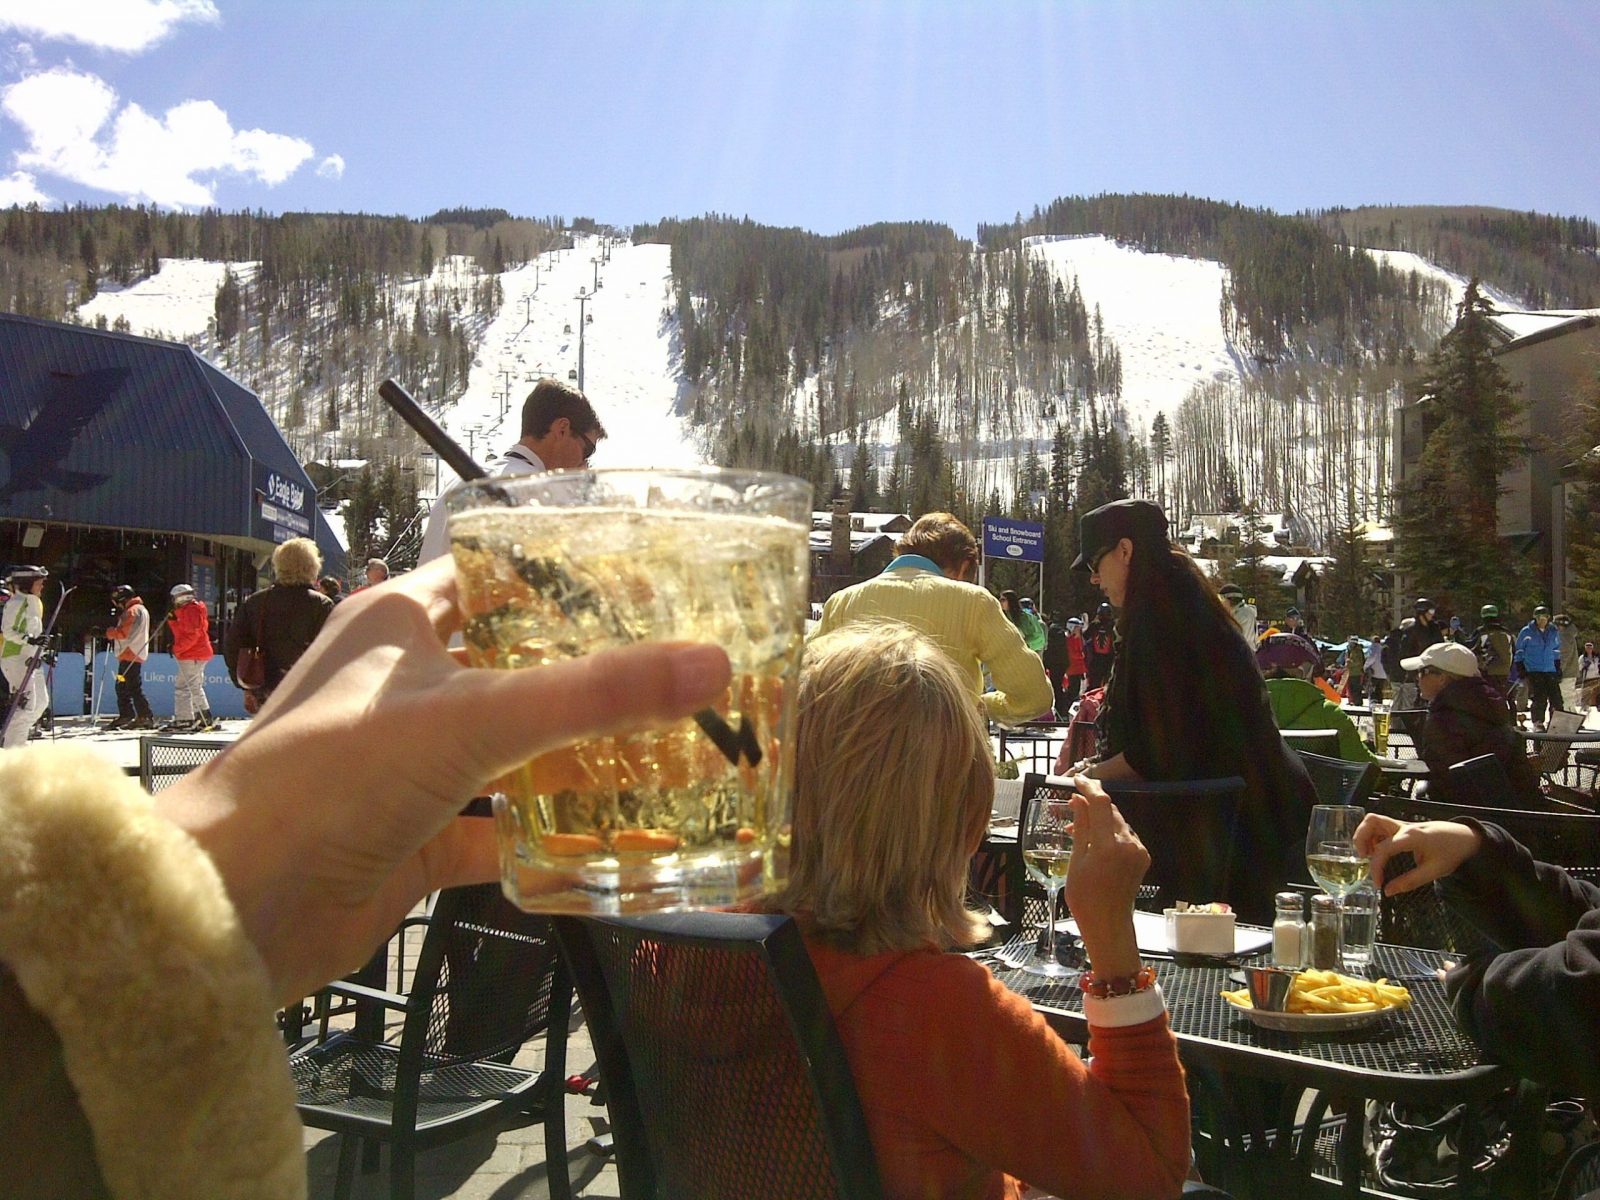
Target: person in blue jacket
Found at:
1538, 660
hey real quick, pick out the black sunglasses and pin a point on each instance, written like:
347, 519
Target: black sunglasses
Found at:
589, 445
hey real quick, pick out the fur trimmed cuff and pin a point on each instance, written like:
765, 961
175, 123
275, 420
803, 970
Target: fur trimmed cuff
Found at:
121, 935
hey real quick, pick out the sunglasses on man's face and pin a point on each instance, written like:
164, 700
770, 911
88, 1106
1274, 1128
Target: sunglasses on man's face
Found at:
589, 445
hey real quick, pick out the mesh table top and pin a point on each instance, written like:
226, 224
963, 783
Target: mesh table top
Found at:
1416, 1054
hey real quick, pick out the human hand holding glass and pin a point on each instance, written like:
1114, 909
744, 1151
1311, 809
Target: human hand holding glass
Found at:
1047, 854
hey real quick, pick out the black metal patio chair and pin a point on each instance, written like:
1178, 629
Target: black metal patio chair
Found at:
1339, 781
723, 1073
488, 979
165, 760
1420, 918
1313, 741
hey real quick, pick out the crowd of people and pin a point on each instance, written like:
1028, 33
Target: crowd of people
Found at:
257, 891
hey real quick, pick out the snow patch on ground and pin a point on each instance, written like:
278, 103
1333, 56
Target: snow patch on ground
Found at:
1404, 260
178, 301
630, 356
1162, 311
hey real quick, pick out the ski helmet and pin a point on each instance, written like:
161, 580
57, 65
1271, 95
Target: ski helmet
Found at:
1488, 612
1423, 604
181, 589
1287, 650
121, 592
22, 576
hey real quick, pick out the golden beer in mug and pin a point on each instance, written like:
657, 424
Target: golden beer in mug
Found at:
556, 566
1380, 733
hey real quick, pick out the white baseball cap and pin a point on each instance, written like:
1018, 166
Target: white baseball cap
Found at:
1450, 657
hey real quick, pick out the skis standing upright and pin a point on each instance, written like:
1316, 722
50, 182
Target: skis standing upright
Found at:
21, 690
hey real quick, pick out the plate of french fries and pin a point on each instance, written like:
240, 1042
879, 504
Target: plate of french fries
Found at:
1326, 1002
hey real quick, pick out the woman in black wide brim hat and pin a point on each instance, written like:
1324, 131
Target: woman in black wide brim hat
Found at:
1186, 699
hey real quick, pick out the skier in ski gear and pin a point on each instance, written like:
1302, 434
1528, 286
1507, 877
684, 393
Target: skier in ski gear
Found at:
130, 639
23, 627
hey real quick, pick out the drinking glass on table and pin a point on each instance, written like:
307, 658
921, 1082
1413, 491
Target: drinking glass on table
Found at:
1047, 852
1331, 854
568, 563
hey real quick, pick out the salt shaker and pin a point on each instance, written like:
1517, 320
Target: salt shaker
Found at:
1325, 933
1289, 930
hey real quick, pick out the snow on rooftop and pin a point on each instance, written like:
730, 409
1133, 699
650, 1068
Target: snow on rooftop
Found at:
1520, 324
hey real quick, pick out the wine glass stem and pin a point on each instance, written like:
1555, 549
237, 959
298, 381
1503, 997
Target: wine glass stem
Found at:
1050, 926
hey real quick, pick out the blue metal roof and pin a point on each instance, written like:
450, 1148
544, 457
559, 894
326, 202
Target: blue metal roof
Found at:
107, 429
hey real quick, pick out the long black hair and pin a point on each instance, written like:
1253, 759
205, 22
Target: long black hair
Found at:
1167, 592
1012, 606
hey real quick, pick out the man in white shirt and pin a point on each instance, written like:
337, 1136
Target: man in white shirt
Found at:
559, 433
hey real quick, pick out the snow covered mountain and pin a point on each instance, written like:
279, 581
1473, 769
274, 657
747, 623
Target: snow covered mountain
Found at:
1166, 315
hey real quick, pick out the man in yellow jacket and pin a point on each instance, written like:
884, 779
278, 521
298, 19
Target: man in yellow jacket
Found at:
929, 587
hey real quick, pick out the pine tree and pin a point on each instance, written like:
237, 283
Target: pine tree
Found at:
1448, 536
1347, 605
1583, 521
229, 309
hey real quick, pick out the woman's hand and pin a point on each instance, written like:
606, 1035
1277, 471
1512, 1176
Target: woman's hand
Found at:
337, 811
1108, 863
1438, 846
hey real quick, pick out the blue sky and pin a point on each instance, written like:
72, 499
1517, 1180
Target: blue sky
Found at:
824, 115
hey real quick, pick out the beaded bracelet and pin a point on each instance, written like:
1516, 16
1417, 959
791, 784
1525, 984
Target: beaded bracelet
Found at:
1141, 980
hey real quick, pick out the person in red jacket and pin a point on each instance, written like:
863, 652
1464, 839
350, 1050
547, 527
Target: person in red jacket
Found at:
191, 646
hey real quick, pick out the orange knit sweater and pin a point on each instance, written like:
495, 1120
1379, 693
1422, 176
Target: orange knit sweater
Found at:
968, 1092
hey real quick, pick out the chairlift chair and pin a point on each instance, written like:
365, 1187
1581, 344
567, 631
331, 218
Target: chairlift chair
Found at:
572, 374
567, 328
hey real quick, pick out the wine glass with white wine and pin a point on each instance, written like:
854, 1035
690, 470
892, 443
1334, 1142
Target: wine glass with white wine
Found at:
1047, 852
1331, 854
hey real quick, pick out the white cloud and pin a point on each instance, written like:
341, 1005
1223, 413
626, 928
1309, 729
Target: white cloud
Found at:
68, 118
20, 188
331, 167
129, 26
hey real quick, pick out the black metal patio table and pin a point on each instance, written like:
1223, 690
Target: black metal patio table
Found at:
1416, 1055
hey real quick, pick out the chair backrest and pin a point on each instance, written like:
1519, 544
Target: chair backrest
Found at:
1339, 781
1480, 781
1570, 840
1033, 746
1313, 741
1406, 699
1188, 826
164, 761
488, 978
723, 1073
1552, 755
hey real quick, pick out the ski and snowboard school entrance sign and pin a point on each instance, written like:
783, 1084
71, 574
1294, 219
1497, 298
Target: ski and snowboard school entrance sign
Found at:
1013, 541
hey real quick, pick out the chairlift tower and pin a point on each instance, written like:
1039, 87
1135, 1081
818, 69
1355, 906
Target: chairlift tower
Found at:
583, 300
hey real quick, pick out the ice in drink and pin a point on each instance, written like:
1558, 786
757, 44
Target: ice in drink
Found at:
665, 818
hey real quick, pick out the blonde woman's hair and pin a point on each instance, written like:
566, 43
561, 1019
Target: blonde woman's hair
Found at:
297, 561
893, 786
